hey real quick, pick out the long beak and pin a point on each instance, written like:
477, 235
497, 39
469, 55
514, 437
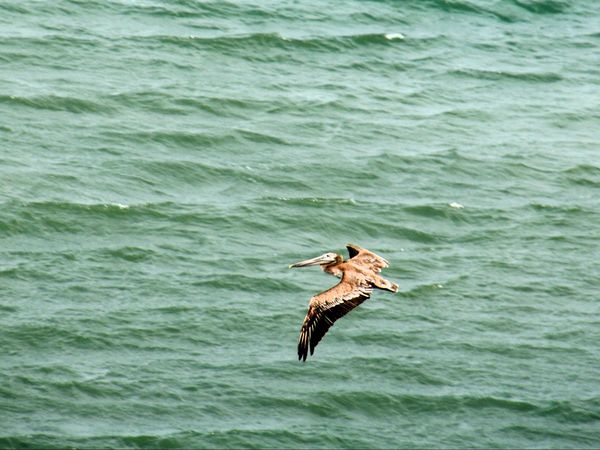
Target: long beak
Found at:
323, 259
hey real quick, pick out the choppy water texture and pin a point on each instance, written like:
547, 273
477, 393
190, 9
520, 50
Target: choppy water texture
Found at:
162, 162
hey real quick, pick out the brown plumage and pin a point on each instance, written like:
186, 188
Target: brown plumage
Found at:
359, 275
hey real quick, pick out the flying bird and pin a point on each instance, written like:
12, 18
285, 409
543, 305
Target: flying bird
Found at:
359, 275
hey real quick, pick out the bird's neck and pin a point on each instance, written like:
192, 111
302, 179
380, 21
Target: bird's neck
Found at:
333, 269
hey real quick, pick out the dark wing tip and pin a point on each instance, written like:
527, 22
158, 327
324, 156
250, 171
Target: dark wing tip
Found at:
353, 250
302, 353
303, 345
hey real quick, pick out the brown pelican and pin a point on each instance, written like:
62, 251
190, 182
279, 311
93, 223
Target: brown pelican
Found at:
359, 275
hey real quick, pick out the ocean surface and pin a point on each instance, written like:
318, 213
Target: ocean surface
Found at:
163, 162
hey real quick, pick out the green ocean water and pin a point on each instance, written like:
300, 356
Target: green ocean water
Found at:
162, 162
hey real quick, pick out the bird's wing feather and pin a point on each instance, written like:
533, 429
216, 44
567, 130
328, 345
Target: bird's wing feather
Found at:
365, 258
325, 308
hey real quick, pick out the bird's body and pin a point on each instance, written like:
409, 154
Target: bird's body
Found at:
359, 275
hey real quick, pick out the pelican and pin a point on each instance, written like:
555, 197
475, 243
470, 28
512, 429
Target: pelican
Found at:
359, 275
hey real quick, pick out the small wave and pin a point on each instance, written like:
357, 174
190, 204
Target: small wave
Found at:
131, 254
44, 336
12, 272
176, 309
392, 36
242, 44
196, 140
424, 291
7, 308
568, 209
583, 175
408, 403
439, 211
560, 438
574, 411
466, 7
119, 205
542, 6
499, 75
51, 441
310, 201
228, 106
15, 8
412, 234
187, 171
211, 10
37, 218
240, 437
57, 103
439, 158
175, 139
147, 100
172, 104
53, 41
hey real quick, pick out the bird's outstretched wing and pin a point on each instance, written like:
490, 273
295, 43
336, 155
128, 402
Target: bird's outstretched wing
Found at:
325, 308
365, 258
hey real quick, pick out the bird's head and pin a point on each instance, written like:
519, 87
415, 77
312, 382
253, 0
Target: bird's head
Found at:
323, 260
